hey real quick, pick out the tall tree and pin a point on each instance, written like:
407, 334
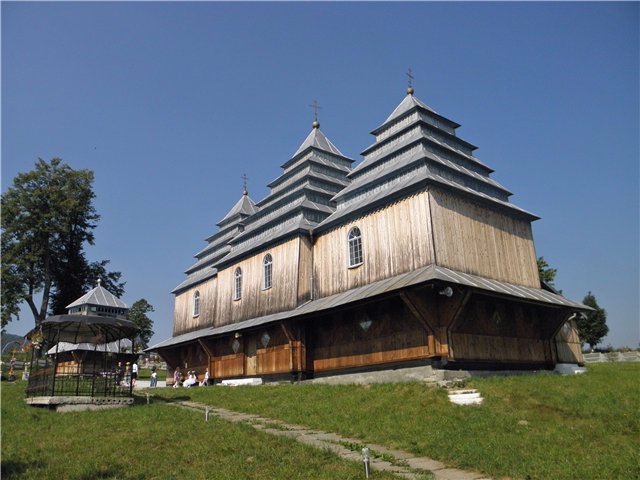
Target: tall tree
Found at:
47, 218
138, 315
78, 276
592, 326
547, 274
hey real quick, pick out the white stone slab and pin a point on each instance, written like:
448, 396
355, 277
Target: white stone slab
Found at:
569, 369
465, 397
234, 382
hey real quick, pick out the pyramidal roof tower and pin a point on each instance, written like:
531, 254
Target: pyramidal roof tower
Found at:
300, 198
414, 147
218, 243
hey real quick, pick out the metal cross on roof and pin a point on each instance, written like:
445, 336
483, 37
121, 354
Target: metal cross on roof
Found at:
244, 183
410, 85
315, 107
410, 76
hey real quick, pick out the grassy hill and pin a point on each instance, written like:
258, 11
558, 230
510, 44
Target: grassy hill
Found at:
543, 426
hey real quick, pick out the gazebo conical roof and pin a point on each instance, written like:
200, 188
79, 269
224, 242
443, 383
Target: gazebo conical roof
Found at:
85, 328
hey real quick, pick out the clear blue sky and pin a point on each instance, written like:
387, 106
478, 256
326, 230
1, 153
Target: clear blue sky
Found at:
170, 103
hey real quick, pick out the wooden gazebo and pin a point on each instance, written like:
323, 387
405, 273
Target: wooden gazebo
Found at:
81, 357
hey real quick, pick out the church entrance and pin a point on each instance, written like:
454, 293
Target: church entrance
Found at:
250, 356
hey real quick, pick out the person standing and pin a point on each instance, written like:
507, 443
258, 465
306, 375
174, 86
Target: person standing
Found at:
134, 373
119, 374
127, 374
176, 377
154, 377
205, 380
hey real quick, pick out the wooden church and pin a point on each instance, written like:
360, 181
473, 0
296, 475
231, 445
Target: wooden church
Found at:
415, 256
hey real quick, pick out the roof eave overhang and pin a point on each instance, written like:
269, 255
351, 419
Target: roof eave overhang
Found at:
430, 274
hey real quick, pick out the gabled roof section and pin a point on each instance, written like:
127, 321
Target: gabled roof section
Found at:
317, 139
99, 296
195, 278
243, 208
407, 104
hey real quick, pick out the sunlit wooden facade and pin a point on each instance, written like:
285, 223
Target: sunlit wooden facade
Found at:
413, 257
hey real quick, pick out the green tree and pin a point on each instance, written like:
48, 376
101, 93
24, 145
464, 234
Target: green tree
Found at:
547, 274
138, 315
78, 276
47, 218
592, 325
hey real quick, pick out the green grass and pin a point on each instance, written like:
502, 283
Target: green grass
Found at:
156, 441
541, 426
145, 374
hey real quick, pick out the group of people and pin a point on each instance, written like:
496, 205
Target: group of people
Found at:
127, 376
191, 380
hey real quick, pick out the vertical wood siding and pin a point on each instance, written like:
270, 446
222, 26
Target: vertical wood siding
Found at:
395, 240
499, 331
183, 319
305, 268
394, 335
256, 301
474, 239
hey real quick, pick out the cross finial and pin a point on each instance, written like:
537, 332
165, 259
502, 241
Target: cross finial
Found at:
410, 82
315, 107
244, 184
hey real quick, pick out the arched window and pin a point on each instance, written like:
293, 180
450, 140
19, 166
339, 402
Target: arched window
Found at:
196, 303
267, 271
355, 247
237, 292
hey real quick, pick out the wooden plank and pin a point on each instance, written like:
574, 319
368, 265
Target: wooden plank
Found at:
255, 300
476, 239
474, 347
396, 239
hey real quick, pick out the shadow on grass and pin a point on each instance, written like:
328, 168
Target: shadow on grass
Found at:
10, 469
140, 400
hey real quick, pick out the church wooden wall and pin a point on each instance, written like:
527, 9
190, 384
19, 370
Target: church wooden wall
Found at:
275, 357
472, 238
256, 301
395, 240
493, 330
183, 319
254, 355
338, 341
305, 269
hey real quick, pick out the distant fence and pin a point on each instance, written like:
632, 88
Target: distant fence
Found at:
612, 357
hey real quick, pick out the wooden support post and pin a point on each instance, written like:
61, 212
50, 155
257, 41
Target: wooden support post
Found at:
416, 304
210, 354
449, 315
297, 351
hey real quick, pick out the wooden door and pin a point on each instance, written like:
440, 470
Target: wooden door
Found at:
250, 356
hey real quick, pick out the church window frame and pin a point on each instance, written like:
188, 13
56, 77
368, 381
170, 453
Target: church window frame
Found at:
237, 284
267, 272
196, 303
354, 242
